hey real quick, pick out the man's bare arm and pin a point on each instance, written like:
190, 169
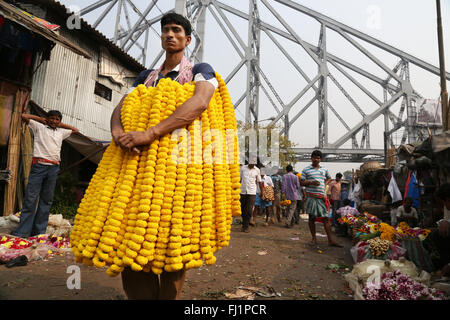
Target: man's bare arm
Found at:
27, 117
181, 117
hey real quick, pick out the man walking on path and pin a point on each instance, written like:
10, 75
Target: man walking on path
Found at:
48, 133
250, 176
314, 178
290, 188
276, 207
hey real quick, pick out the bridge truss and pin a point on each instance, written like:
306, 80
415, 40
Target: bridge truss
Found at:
395, 85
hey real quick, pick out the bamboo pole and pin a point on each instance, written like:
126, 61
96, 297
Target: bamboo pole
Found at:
21, 99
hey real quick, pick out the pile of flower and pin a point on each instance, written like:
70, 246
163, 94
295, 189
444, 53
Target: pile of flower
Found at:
15, 243
360, 220
398, 286
404, 231
387, 232
51, 240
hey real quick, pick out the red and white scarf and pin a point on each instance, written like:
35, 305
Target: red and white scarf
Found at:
184, 73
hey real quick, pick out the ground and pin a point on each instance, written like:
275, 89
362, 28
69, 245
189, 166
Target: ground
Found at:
270, 259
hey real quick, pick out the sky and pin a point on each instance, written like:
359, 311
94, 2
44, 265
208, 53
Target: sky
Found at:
409, 25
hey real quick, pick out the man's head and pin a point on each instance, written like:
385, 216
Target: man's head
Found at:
54, 118
316, 157
289, 168
346, 202
175, 32
338, 177
253, 161
408, 202
444, 194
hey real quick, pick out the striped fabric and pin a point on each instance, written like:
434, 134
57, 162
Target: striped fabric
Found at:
316, 208
321, 174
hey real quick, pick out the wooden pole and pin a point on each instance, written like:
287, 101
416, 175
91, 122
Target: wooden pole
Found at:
444, 94
14, 151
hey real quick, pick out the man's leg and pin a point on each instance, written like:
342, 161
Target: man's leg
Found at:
171, 285
45, 200
140, 285
327, 227
312, 229
244, 209
290, 212
29, 202
251, 206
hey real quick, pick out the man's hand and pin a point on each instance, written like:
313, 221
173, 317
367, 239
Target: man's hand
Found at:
314, 183
444, 227
130, 140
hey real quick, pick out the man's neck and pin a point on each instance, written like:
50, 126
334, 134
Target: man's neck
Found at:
172, 60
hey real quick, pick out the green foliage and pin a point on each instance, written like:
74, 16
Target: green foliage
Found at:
64, 201
286, 154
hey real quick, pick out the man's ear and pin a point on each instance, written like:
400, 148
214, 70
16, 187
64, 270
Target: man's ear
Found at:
188, 40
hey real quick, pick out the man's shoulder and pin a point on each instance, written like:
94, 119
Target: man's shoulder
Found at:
202, 67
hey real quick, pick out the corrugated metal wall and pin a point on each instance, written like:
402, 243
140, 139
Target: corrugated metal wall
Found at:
66, 83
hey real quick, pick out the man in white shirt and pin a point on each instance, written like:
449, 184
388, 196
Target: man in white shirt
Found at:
406, 213
48, 134
250, 177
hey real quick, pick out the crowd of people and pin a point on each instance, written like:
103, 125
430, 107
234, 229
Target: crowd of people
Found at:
285, 194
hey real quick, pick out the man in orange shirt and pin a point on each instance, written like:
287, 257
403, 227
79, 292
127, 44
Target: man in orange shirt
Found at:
335, 196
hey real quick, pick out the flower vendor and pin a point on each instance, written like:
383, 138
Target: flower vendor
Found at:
175, 37
407, 213
289, 187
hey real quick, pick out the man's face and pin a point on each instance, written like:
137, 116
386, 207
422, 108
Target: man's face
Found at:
316, 160
174, 38
338, 179
251, 165
53, 121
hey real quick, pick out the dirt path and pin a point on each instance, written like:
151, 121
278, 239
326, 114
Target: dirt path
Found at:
273, 259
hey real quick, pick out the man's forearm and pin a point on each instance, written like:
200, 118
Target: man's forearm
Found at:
182, 116
27, 117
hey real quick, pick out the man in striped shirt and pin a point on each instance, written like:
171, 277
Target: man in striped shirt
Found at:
314, 178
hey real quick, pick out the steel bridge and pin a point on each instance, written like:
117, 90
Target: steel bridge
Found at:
133, 34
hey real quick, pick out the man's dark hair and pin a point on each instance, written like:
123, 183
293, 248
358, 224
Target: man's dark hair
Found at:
178, 19
346, 202
444, 191
54, 113
316, 153
289, 168
339, 175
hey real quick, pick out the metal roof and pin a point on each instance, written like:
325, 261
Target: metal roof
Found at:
11, 13
93, 33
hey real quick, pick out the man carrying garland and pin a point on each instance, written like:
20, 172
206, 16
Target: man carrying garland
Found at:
175, 37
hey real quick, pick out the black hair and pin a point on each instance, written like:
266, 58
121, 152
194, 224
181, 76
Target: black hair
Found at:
289, 168
409, 199
346, 202
444, 191
316, 153
178, 19
54, 113
339, 175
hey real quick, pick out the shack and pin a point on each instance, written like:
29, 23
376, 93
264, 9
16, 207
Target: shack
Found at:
74, 69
